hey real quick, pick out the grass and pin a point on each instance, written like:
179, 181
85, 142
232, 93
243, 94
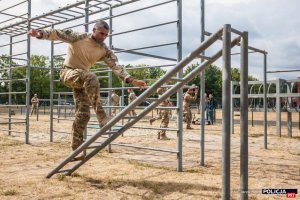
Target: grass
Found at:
7, 142
147, 165
9, 192
61, 177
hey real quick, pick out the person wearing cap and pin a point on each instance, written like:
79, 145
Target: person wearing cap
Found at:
164, 114
34, 104
131, 98
115, 99
189, 97
84, 50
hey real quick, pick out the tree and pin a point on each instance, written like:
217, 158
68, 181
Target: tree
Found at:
39, 78
213, 79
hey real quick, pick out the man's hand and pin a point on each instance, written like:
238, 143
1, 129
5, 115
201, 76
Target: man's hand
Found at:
139, 83
34, 33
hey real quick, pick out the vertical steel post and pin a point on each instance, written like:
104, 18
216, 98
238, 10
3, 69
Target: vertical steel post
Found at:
51, 88
86, 29
278, 108
265, 103
180, 92
110, 73
28, 71
244, 118
231, 109
226, 112
10, 84
202, 97
289, 114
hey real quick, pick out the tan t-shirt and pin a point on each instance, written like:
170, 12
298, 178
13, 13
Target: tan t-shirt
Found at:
83, 51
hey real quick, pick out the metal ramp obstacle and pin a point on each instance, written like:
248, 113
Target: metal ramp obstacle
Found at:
91, 147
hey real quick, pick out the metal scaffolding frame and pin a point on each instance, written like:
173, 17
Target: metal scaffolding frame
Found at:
134, 51
84, 9
279, 85
228, 123
91, 146
13, 32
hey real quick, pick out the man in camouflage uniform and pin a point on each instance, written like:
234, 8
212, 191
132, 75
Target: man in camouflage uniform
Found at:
131, 98
84, 50
115, 99
164, 114
187, 100
34, 104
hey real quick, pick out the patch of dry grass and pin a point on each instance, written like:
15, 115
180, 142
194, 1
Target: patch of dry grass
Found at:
130, 173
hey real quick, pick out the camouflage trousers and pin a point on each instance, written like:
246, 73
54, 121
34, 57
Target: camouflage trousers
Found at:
188, 116
132, 112
86, 92
114, 110
164, 121
34, 109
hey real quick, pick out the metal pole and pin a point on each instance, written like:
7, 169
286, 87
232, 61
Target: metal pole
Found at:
51, 88
265, 103
110, 72
252, 120
86, 29
231, 109
244, 118
289, 114
202, 98
28, 71
278, 108
180, 91
10, 85
226, 113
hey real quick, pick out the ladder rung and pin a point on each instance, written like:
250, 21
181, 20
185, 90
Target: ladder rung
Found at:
106, 133
93, 147
204, 57
63, 171
177, 79
130, 117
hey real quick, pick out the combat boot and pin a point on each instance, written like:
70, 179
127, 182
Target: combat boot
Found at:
151, 121
80, 156
164, 137
189, 127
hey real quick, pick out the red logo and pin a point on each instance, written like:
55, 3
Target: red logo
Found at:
290, 195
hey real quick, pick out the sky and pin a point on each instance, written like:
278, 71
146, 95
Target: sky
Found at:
272, 25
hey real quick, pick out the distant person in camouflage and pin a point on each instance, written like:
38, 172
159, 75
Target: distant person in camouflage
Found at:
115, 99
189, 97
131, 98
164, 114
84, 50
34, 104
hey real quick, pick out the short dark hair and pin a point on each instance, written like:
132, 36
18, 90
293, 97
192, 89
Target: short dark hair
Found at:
101, 24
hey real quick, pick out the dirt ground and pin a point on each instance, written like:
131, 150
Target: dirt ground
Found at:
130, 173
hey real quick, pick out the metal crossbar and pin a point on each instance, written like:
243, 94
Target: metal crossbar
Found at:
89, 143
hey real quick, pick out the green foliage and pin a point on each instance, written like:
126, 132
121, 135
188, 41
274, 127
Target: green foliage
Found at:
213, 80
40, 78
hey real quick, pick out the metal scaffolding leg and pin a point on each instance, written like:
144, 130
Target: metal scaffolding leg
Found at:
244, 118
226, 113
